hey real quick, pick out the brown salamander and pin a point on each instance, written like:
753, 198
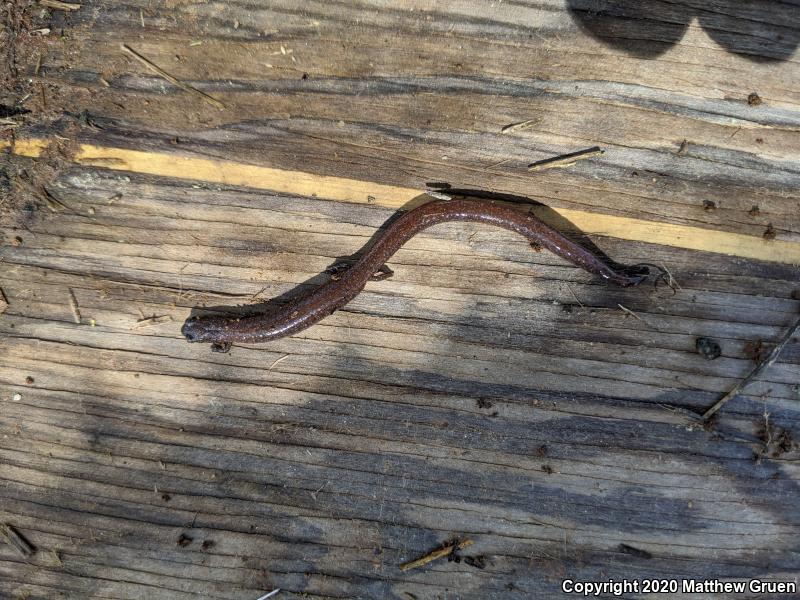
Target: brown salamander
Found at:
339, 290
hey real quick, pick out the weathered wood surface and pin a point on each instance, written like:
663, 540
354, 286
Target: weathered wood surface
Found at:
484, 392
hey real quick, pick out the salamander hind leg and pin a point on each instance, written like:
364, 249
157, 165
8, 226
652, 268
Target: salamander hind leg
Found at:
383, 273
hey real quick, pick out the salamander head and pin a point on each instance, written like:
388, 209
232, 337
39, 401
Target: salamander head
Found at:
199, 329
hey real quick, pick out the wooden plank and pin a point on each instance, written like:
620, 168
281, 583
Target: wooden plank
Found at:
349, 190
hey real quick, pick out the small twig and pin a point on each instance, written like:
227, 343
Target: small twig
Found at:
671, 282
20, 544
436, 554
54, 203
58, 5
575, 296
270, 595
159, 71
633, 314
519, 126
756, 371
149, 321
565, 160
277, 360
73, 304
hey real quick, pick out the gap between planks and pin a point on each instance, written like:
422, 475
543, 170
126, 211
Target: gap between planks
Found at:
366, 192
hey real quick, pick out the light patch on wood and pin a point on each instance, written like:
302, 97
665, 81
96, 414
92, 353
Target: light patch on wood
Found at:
366, 192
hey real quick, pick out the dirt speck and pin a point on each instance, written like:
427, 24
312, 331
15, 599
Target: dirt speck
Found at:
708, 348
184, 540
479, 562
754, 350
633, 551
754, 99
754, 211
709, 205
769, 233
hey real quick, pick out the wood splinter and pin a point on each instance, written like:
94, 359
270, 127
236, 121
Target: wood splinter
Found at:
161, 72
58, 5
755, 372
441, 552
15, 539
565, 160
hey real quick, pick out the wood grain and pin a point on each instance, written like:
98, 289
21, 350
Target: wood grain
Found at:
228, 172
485, 391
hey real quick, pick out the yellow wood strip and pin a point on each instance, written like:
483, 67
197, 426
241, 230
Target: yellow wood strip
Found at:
354, 190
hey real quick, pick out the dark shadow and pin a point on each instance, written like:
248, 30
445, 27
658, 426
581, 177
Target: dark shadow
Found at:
645, 29
759, 30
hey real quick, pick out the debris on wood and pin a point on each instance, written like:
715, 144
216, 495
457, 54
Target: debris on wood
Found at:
3, 302
150, 321
73, 305
754, 99
565, 160
440, 552
521, 126
162, 73
754, 211
277, 360
574, 295
708, 348
628, 311
16, 539
58, 5
754, 350
270, 594
776, 441
709, 205
769, 233
184, 540
479, 562
756, 371
633, 551
683, 148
